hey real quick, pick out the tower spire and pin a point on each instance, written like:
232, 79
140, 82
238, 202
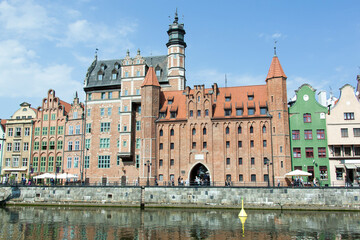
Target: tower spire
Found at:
275, 47
176, 17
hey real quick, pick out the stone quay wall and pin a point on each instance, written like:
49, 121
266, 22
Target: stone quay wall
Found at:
212, 197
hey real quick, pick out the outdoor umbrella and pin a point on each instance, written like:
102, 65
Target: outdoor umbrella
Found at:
297, 172
66, 176
45, 175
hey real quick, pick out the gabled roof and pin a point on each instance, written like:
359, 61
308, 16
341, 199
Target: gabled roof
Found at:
150, 78
66, 105
275, 69
3, 122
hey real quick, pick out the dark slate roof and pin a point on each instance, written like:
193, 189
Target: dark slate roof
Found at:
91, 80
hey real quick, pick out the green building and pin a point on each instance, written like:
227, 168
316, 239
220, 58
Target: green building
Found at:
307, 122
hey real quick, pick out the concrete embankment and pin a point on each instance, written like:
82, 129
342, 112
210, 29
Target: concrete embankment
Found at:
194, 197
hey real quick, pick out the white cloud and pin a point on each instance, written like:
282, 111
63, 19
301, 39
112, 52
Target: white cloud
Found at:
273, 36
276, 35
22, 76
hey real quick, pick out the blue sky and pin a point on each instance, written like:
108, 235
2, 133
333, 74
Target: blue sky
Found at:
50, 44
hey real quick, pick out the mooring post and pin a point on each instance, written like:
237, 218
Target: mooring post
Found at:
142, 200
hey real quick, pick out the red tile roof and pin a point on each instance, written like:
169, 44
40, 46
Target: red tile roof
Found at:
3, 122
66, 105
150, 78
275, 69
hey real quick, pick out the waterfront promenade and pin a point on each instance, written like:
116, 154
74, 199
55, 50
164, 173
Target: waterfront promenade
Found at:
180, 196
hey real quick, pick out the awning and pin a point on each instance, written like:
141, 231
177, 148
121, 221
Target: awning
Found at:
350, 166
14, 169
357, 165
339, 166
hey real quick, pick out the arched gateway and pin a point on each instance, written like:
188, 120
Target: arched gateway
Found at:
199, 175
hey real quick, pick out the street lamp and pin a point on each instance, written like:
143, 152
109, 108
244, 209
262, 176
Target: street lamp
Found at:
148, 164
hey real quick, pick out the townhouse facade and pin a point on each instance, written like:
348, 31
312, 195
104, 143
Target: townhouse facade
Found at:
343, 128
18, 137
309, 151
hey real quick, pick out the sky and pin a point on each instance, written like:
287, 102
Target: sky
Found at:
50, 44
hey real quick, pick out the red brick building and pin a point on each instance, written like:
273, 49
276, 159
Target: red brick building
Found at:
142, 123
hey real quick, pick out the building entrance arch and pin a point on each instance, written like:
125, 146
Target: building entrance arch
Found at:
199, 175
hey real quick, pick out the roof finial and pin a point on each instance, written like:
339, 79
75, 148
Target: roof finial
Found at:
275, 48
96, 51
76, 94
128, 53
176, 17
138, 51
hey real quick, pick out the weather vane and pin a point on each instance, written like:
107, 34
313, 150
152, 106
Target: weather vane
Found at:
275, 41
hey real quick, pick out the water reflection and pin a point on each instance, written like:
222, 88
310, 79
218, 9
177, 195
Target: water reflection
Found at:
132, 223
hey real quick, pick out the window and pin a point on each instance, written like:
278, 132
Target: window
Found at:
26, 146
266, 161
15, 162
137, 160
161, 133
356, 151
138, 73
161, 146
35, 164
105, 127
16, 146
320, 133
77, 145
206, 112
227, 112
37, 131
87, 162
251, 143
58, 163
137, 91
104, 162
52, 145
76, 162
309, 152
138, 143
251, 111
204, 145
124, 143
193, 145
172, 132
321, 152
239, 144
70, 144
349, 116
53, 116
17, 132
170, 101
36, 145
88, 128
125, 128
204, 131
344, 132
43, 145
109, 111
46, 117
102, 111
264, 129
100, 77
24, 162
347, 151
263, 110
44, 131
199, 113
193, 131
43, 164
138, 125
162, 115
114, 76
52, 130
227, 99
75, 116
172, 146
227, 130
227, 161
239, 130
308, 134
68, 163
89, 112
323, 172
126, 92
356, 132
103, 95
172, 114
60, 130
252, 161
264, 143
71, 130
253, 177
241, 178
171, 162
160, 163
10, 132
87, 143
7, 162
251, 129
297, 152
240, 161
281, 149
89, 96
77, 129
339, 173
227, 144
307, 117
27, 132
296, 134
51, 164
239, 112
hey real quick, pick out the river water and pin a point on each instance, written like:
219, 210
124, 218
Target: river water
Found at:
154, 223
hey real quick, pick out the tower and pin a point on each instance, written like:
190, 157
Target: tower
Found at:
176, 55
150, 96
277, 107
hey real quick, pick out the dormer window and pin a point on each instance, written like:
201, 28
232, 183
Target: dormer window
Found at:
227, 112
173, 114
117, 66
114, 75
239, 112
263, 110
102, 67
162, 115
170, 101
158, 71
100, 76
251, 111
228, 99
250, 97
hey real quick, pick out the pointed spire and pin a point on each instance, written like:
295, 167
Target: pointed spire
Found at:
150, 78
275, 69
176, 17
76, 95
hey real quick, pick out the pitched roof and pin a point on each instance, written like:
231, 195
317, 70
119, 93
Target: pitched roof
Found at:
66, 105
275, 69
150, 78
3, 122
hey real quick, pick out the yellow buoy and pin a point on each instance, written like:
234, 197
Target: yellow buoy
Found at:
242, 212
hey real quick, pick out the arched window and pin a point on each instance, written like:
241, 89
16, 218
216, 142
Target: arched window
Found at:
172, 132
193, 131
204, 131
161, 132
264, 129
239, 129
251, 129
227, 130
206, 112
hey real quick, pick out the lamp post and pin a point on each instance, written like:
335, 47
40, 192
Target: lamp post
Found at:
148, 164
